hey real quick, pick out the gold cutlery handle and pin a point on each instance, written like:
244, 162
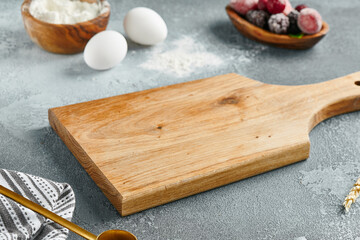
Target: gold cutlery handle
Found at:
46, 213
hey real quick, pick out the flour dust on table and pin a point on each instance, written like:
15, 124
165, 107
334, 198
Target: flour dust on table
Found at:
300, 238
185, 57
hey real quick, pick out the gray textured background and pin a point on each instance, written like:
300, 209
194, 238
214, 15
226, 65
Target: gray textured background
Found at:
301, 200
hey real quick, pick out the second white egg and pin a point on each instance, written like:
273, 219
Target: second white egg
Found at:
145, 26
105, 50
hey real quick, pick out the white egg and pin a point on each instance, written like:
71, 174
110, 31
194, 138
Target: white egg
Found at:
105, 50
145, 26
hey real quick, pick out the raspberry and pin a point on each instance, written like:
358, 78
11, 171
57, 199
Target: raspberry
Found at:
258, 18
276, 6
243, 6
288, 8
309, 21
278, 23
262, 5
293, 18
300, 7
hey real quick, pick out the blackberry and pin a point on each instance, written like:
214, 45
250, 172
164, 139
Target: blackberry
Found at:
278, 23
258, 18
293, 18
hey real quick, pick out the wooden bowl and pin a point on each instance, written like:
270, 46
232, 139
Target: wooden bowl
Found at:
278, 40
62, 38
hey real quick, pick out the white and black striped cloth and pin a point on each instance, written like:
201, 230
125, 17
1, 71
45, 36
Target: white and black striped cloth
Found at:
20, 223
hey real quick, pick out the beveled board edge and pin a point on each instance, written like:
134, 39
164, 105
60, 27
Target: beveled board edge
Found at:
242, 168
94, 172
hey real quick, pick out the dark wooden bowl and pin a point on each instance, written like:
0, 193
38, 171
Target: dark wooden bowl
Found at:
278, 40
62, 38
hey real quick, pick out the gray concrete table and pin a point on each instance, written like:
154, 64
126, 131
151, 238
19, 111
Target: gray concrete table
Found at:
301, 200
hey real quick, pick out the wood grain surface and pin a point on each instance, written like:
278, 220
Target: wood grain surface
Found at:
62, 38
277, 40
151, 147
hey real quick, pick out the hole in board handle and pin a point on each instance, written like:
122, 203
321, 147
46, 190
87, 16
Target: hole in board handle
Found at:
357, 83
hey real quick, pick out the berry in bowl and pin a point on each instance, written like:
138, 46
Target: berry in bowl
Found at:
277, 23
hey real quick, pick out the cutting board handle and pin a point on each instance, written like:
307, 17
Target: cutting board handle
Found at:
331, 98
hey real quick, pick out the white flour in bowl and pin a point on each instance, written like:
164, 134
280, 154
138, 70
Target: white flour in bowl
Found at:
65, 11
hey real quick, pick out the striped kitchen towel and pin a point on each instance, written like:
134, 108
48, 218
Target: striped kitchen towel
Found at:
20, 223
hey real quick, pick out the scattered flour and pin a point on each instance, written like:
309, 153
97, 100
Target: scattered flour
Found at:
184, 58
335, 181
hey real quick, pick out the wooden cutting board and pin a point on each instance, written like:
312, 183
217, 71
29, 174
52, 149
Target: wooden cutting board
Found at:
148, 148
